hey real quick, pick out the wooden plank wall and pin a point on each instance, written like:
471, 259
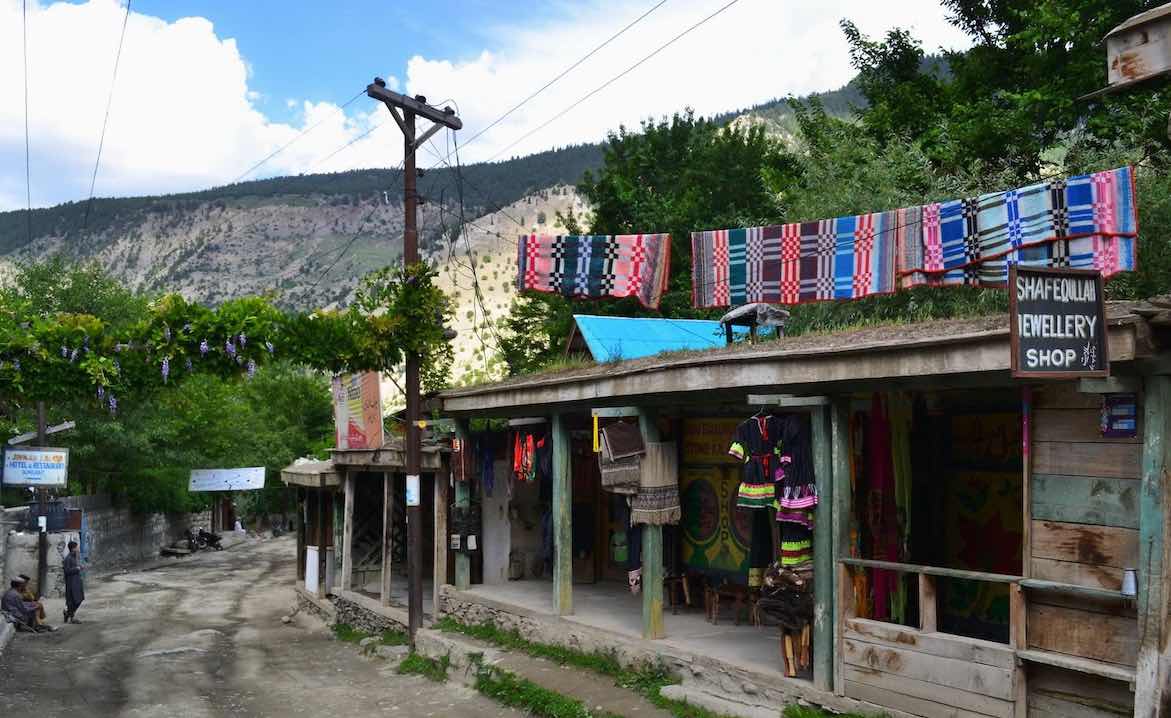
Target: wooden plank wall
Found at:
1084, 495
927, 674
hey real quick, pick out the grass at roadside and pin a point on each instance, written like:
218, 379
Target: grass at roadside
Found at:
647, 680
349, 634
435, 670
513, 690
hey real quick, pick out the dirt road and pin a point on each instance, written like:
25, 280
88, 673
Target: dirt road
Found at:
202, 636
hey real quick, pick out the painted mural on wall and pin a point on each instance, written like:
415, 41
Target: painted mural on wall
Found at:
715, 533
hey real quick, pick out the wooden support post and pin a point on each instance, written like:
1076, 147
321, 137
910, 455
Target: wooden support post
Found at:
348, 535
319, 541
652, 552
463, 502
823, 552
302, 507
842, 494
562, 520
928, 617
1152, 588
387, 533
1017, 617
439, 572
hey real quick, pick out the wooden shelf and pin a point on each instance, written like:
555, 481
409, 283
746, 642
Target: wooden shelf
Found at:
1082, 665
1035, 584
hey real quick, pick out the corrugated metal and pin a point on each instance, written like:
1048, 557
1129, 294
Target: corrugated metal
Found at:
1143, 17
614, 338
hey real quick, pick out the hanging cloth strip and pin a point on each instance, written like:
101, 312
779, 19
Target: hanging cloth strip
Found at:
657, 501
1086, 221
595, 266
621, 475
461, 460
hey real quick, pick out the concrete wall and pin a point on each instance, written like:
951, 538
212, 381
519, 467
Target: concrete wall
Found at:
114, 537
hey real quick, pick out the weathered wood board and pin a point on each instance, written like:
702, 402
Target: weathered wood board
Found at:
1059, 693
944, 672
901, 700
1082, 554
1076, 425
1085, 500
944, 645
1119, 461
1074, 632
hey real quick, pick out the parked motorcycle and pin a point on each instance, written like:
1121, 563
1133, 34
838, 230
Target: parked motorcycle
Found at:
206, 539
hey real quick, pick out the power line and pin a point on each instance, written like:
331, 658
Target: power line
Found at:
609, 82
28, 187
562, 74
299, 135
346, 145
106, 121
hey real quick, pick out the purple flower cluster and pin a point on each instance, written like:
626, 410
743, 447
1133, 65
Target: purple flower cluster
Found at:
230, 348
204, 348
113, 404
166, 368
251, 369
268, 345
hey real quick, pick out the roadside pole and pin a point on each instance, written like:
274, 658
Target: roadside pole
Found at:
42, 510
412, 107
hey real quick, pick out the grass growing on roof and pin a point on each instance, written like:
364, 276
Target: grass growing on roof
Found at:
645, 680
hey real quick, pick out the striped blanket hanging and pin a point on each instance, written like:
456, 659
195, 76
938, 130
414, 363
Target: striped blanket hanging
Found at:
595, 266
1087, 221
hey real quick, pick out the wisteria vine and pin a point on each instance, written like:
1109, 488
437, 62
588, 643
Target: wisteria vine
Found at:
59, 357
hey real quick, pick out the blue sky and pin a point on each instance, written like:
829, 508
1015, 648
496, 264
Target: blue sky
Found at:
207, 88
328, 51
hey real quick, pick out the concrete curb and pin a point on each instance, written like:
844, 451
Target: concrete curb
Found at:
7, 631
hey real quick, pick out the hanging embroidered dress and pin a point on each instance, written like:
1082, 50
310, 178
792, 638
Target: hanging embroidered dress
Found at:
796, 493
754, 443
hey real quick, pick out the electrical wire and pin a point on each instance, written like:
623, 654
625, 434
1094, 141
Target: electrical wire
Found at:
611, 81
298, 136
331, 155
28, 186
562, 74
106, 121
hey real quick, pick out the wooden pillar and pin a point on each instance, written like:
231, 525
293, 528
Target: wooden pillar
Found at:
439, 574
823, 552
463, 502
302, 506
652, 553
387, 533
1152, 588
319, 541
928, 607
842, 494
562, 520
348, 535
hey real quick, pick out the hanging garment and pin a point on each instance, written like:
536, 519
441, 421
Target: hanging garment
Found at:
796, 545
620, 460
657, 500
461, 460
1087, 221
487, 469
882, 512
595, 266
755, 444
760, 548
795, 482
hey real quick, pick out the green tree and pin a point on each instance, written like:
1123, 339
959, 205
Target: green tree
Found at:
675, 175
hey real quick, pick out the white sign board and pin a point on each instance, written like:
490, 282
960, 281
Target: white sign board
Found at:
412, 490
248, 479
40, 467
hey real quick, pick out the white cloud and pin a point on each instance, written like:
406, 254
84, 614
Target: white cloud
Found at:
184, 116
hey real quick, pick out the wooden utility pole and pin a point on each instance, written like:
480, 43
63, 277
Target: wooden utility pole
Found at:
412, 107
42, 510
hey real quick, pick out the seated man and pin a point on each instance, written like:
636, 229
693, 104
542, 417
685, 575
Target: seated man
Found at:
13, 603
29, 597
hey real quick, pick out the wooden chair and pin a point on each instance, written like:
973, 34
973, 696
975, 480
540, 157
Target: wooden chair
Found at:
671, 584
742, 598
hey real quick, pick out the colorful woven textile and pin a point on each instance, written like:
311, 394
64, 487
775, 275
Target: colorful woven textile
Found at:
1087, 221
595, 266
657, 501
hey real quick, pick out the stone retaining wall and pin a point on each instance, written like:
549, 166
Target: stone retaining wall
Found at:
364, 617
115, 537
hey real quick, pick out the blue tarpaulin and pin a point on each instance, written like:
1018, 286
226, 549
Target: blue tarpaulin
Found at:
618, 338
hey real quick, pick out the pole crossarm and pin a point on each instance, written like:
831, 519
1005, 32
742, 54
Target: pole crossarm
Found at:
393, 99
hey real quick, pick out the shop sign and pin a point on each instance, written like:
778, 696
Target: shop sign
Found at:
246, 479
357, 407
41, 467
1058, 323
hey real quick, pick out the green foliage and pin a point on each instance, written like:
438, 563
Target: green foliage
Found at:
646, 680
394, 637
796, 711
435, 670
60, 356
513, 690
672, 176
349, 634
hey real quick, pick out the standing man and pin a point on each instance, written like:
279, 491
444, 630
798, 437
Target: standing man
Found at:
74, 590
